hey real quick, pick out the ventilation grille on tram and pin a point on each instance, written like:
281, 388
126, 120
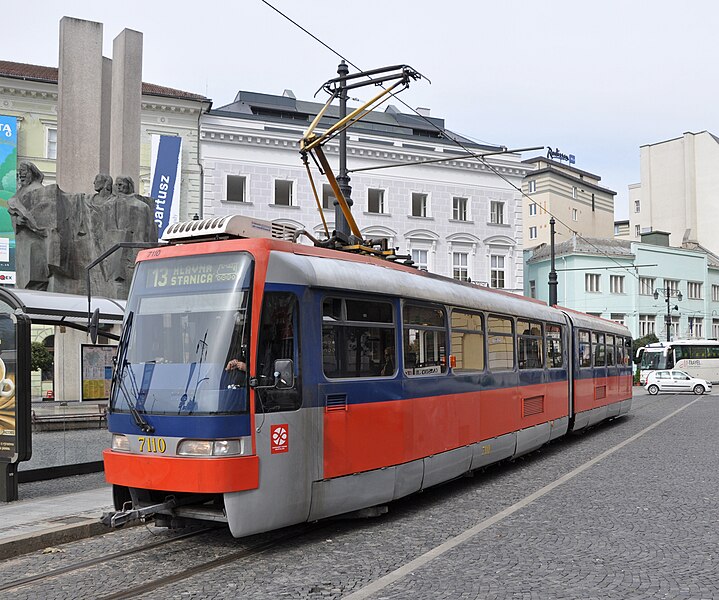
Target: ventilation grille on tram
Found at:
231, 226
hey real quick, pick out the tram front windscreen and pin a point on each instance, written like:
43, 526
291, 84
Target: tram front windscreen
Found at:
186, 337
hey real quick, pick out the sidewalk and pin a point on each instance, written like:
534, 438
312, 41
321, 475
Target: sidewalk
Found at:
30, 525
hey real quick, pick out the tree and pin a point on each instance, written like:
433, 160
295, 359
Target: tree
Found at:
41, 358
650, 338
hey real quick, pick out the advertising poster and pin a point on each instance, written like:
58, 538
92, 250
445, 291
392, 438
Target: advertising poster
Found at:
8, 405
97, 371
8, 186
165, 177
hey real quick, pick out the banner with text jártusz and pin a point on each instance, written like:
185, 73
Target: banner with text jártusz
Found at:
165, 177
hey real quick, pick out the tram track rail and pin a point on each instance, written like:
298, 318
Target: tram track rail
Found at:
99, 560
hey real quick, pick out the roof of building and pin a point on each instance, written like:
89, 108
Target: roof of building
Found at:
583, 245
287, 110
568, 173
14, 70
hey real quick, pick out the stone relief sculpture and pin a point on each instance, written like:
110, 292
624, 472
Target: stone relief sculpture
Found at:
58, 234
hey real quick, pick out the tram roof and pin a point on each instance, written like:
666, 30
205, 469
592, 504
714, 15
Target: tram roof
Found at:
51, 308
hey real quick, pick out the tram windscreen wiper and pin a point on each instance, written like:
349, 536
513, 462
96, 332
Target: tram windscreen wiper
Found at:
191, 405
120, 377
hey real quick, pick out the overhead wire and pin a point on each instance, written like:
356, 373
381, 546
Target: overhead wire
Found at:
452, 139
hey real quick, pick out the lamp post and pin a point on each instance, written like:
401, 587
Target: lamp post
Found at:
668, 294
552, 270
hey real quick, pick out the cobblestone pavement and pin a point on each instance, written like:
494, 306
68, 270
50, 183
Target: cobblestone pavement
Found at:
640, 523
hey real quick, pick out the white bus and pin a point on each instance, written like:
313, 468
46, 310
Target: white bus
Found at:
699, 358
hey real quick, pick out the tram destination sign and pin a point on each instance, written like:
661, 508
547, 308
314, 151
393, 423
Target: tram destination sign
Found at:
192, 275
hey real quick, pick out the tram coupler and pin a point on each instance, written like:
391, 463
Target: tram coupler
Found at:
119, 518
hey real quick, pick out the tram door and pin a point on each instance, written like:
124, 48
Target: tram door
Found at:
281, 429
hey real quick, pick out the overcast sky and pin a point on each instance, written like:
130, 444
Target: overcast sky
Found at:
595, 79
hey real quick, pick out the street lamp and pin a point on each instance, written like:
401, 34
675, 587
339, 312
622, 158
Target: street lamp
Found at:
668, 294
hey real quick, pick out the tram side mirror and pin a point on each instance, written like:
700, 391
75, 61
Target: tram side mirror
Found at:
284, 374
94, 325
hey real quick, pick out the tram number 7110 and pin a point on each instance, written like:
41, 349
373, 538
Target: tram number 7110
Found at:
152, 444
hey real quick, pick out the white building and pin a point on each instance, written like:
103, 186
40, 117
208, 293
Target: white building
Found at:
456, 218
679, 184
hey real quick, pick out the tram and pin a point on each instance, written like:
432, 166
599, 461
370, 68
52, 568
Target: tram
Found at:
263, 383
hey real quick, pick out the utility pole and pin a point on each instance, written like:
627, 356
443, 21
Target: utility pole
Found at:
343, 179
552, 271
668, 294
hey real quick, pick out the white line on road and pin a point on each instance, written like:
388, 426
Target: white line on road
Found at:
438, 551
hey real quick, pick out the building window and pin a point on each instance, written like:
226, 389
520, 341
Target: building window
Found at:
637, 206
591, 282
696, 327
419, 257
673, 286
419, 205
459, 266
715, 293
375, 201
328, 196
532, 233
532, 288
532, 209
51, 147
675, 328
497, 213
647, 325
617, 318
637, 231
532, 186
592, 202
694, 290
616, 284
497, 271
715, 329
646, 286
574, 214
574, 192
459, 209
236, 188
283, 192
616, 230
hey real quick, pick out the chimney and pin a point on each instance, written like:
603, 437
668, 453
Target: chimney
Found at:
423, 111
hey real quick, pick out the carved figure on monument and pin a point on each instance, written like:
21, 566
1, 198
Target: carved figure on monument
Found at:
40, 216
103, 187
124, 217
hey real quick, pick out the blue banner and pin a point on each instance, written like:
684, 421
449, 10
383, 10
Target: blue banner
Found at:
8, 187
166, 164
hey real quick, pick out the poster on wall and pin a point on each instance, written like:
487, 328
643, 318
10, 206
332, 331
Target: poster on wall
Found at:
165, 170
97, 371
8, 404
8, 186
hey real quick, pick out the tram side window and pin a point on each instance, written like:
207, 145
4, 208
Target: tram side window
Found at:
529, 345
467, 341
277, 340
500, 338
585, 350
599, 349
621, 352
555, 360
358, 338
425, 345
611, 352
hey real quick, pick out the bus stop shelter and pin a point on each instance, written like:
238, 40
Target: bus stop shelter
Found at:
19, 310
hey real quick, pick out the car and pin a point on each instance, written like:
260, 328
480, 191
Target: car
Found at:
675, 381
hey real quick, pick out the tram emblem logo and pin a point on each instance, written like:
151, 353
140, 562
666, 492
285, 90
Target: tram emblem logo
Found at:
279, 438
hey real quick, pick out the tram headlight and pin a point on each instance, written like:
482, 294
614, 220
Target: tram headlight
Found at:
120, 443
238, 447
